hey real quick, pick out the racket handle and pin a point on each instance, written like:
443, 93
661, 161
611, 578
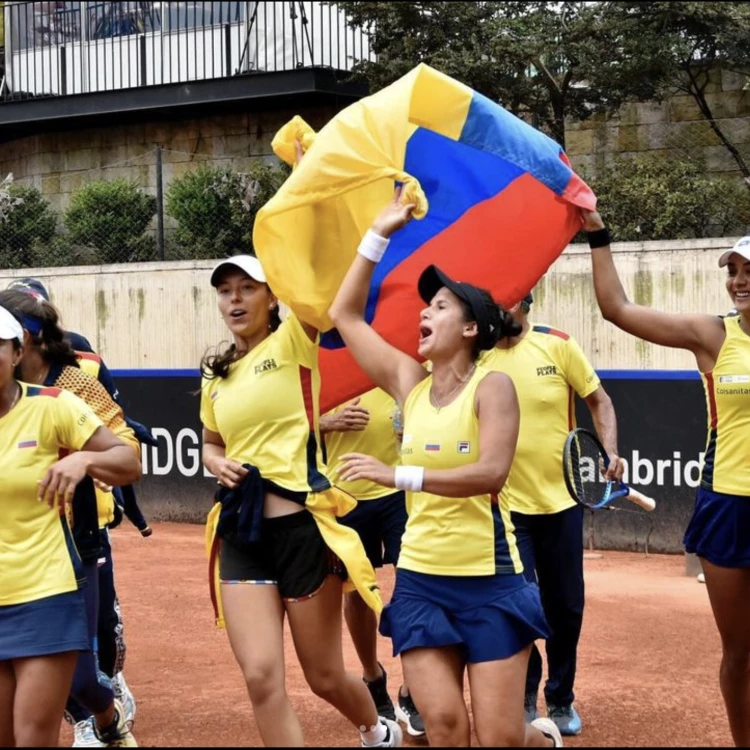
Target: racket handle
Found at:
640, 499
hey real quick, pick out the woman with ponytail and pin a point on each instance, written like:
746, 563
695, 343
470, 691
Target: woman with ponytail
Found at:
461, 602
275, 543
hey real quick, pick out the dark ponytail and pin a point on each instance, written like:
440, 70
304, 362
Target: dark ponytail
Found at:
216, 364
496, 323
42, 321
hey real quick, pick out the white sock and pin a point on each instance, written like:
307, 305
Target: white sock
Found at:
376, 735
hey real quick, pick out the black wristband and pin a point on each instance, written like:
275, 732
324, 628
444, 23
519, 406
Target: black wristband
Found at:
599, 238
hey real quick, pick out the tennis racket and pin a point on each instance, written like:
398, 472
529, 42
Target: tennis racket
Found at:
583, 459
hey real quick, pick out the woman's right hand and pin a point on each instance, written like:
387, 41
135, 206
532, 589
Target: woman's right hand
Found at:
394, 216
229, 473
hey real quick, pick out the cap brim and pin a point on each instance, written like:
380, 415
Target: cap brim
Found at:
433, 280
248, 264
10, 328
724, 260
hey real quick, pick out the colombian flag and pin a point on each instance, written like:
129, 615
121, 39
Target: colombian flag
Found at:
497, 202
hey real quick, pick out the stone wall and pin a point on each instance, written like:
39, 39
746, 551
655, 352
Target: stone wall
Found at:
59, 163
661, 128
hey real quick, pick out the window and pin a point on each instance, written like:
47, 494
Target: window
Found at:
44, 24
107, 20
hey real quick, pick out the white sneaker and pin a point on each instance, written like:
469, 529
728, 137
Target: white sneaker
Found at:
394, 736
84, 735
119, 734
124, 694
549, 729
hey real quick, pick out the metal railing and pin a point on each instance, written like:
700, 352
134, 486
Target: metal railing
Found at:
66, 48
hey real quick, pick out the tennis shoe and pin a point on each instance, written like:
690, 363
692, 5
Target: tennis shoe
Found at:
566, 718
394, 737
549, 729
117, 734
379, 692
84, 735
407, 713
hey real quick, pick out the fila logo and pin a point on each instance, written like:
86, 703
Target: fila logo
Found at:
265, 366
545, 371
464, 446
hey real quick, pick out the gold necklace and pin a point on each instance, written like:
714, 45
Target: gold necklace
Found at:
433, 398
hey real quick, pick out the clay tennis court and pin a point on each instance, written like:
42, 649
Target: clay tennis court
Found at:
649, 654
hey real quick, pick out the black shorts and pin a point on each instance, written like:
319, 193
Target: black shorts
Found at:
291, 555
380, 524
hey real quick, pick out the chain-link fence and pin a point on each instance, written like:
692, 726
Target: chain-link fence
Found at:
140, 209
664, 171
658, 175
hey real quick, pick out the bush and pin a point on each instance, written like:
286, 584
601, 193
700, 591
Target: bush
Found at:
27, 225
215, 208
112, 217
653, 198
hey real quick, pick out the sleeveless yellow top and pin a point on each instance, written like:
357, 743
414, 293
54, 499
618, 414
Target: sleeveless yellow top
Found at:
727, 464
452, 536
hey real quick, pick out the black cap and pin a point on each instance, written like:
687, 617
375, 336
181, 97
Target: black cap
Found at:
433, 280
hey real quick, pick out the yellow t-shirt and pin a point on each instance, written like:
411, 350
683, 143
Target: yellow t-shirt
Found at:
38, 558
378, 440
548, 368
452, 536
726, 468
84, 384
266, 410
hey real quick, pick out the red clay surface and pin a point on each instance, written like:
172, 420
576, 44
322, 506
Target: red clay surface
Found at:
648, 660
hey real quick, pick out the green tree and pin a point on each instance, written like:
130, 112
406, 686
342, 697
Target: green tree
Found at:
689, 40
27, 224
546, 60
215, 208
648, 198
112, 216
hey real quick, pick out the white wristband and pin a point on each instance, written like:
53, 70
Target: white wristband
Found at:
373, 246
409, 478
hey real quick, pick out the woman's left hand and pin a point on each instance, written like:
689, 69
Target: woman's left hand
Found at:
356, 466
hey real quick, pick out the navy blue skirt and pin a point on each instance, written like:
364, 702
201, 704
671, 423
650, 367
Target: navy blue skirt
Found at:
719, 530
47, 626
489, 618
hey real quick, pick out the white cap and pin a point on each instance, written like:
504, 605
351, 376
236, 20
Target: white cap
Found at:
741, 247
10, 328
249, 264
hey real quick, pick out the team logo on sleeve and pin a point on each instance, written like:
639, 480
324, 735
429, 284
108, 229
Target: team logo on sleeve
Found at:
27, 444
464, 446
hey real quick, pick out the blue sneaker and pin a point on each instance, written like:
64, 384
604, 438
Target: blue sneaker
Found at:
529, 708
566, 718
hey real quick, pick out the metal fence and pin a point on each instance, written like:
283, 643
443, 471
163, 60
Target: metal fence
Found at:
164, 204
172, 202
66, 48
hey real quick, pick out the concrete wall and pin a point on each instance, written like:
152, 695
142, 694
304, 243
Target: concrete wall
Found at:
163, 315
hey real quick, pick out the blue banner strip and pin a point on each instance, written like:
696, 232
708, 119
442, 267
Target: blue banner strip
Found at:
603, 374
